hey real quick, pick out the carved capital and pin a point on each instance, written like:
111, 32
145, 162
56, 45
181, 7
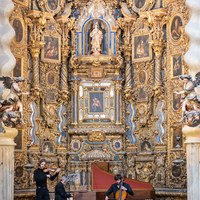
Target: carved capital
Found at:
158, 47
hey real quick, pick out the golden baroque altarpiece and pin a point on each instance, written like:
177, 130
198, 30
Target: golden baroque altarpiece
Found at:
101, 78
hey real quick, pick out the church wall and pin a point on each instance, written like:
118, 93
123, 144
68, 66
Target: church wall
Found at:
134, 72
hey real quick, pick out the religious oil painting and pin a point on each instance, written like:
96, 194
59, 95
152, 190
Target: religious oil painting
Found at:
17, 71
176, 28
139, 3
177, 65
50, 97
141, 48
142, 76
96, 102
17, 25
51, 78
53, 4
47, 147
176, 101
177, 137
51, 50
142, 95
145, 146
19, 141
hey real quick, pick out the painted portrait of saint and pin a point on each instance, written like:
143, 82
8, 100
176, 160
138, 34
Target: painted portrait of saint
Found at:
142, 76
18, 140
17, 70
176, 101
53, 4
177, 65
177, 137
51, 48
96, 102
47, 147
139, 3
176, 26
142, 94
51, 78
17, 25
141, 46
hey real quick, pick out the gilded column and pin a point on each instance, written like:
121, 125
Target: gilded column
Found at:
127, 25
75, 85
118, 87
157, 19
66, 25
36, 22
192, 133
158, 50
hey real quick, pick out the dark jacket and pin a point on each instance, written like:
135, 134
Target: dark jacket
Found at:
60, 193
41, 177
114, 188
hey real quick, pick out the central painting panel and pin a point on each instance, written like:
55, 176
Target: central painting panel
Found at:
96, 102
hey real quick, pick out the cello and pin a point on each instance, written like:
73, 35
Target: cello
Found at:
121, 194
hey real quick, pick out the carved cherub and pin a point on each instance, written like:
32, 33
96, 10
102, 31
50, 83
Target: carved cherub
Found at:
191, 100
10, 104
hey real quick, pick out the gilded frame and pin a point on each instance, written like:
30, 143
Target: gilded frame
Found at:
19, 64
175, 28
177, 138
141, 48
144, 6
47, 147
19, 140
18, 30
104, 112
176, 101
176, 65
51, 51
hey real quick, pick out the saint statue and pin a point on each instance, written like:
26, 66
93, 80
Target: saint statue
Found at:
97, 37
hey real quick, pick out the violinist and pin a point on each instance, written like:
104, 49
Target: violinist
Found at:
120, 189
40, 176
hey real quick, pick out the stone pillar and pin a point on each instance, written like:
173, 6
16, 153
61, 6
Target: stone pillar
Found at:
7, 163
192, 133
193, 161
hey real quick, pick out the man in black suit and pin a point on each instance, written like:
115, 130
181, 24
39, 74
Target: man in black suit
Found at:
119, 185
60, 193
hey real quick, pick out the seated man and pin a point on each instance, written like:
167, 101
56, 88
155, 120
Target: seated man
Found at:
119, 188
60, 193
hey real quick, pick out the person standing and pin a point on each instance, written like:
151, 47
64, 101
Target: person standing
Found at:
116, 187
60, 193
40, 176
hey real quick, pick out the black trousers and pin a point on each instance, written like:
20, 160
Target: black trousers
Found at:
42, 194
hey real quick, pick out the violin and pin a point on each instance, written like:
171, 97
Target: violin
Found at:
49, 169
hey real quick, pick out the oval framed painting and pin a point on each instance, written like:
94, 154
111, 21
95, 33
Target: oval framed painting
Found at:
176, 28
